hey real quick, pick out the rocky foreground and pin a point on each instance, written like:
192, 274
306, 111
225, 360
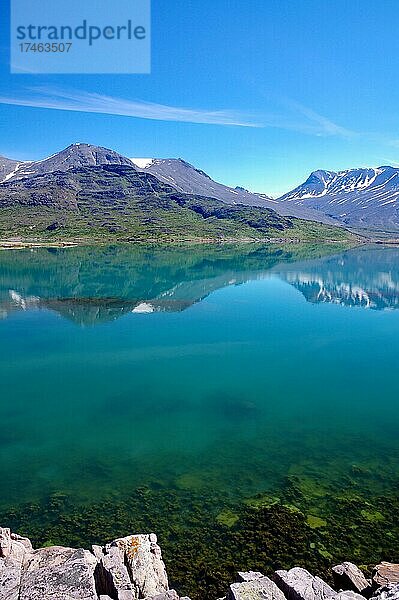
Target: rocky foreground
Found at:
131, 568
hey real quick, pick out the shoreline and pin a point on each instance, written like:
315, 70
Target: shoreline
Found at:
73, 243
132, 568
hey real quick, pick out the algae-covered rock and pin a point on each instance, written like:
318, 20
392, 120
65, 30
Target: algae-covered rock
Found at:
227, 517
372, 516
315, 522
262, 501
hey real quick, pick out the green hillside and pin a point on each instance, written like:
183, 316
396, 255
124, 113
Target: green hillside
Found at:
118, 203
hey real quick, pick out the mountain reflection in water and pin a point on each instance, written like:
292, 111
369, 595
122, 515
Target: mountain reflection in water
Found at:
93, 285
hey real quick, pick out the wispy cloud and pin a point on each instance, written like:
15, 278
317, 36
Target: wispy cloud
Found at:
383, 160
294, 117
99, 103
316, 123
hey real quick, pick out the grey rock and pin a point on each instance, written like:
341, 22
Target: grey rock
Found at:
258, 588
144, 562
169, 595
111, 574
19, 539
384, 574
299, 584
249, 575
348, 595
13, 545
349, 576
13, 550
387, 592
58, 572
132, 567
126, 569
10, 578
188, 179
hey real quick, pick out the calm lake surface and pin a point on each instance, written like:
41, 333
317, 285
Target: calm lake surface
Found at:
247, 394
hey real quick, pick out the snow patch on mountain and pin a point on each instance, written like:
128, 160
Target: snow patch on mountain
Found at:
369, 196
142, 163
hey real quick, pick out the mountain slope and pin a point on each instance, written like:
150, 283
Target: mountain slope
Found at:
175, 172
75, 155
359, 198
119, 202
7, 167
188, 179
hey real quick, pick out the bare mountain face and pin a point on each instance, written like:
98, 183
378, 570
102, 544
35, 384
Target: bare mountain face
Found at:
7, 166
74, 156
358, 198
188, 179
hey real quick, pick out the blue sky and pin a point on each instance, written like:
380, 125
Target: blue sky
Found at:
257, 93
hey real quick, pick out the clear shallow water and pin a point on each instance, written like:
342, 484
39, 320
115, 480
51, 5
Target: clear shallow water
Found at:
219, 377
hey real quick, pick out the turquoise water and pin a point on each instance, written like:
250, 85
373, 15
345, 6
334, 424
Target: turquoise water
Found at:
211, 380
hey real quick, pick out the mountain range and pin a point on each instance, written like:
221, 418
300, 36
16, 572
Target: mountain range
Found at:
358, 198
87, 191
174, 172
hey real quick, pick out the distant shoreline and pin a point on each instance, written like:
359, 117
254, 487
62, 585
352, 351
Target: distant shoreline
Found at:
20, 244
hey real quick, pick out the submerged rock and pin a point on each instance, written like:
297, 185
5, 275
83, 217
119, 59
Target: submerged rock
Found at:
349, 576
299, 584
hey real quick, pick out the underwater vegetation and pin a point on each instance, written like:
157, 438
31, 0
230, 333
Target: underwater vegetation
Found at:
207, 537
243, 430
